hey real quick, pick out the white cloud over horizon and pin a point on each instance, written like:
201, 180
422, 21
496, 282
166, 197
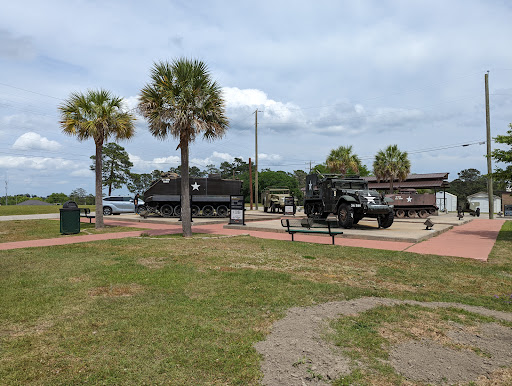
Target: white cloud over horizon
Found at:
34, 141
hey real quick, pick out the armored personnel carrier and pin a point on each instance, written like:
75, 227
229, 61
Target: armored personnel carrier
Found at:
409, 203
346, 197
209, 196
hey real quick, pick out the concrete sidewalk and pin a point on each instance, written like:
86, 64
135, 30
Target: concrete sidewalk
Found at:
473, 239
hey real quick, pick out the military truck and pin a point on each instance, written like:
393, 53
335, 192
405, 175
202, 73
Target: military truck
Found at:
273, 199
346, 197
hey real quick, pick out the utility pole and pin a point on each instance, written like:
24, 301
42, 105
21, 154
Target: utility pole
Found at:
256, 158
6, 191
250, 182
489, 166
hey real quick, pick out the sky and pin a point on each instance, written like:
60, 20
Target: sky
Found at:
321, 74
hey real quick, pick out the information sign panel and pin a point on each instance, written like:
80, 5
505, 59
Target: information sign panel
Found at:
289, 206
237, 207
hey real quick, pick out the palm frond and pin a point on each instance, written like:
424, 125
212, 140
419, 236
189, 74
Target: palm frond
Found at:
182, 101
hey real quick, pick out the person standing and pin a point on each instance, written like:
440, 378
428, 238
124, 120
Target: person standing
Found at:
136, 203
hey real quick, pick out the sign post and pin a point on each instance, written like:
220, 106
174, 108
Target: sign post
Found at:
237, 213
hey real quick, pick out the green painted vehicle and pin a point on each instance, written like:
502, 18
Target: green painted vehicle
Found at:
348, 198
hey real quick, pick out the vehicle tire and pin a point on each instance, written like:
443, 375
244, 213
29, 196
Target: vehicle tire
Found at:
411, 213
356, 219
400, 213
140, 208
222, 211
387, 220
194, 210
107, 210
177, 210
166, 210
345, 216
431, 211
265, 209
423, 213
208, 211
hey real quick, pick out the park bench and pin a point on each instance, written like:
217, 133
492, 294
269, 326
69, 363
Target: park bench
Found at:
85, 212
309, 226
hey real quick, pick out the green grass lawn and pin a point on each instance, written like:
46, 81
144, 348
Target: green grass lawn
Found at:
187, 311
14, 210
19, 230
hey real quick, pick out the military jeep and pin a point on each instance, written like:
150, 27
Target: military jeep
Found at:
273, 199
346, 197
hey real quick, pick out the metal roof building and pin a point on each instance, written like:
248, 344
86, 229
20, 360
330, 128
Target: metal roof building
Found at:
436, 181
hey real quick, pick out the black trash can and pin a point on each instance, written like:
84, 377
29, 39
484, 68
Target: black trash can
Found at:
69, 218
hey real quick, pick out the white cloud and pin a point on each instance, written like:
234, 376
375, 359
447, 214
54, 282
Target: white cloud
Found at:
242, 102
34, 141
36, 163
131, 104
16, 47
269, 157
87, 173
160, 163
222, 156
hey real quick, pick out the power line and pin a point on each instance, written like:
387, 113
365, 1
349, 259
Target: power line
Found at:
32, 92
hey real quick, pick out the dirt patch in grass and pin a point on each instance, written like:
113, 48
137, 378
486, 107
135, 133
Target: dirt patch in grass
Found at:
153, 262
16, 331
431, 348
79, 279
114, 291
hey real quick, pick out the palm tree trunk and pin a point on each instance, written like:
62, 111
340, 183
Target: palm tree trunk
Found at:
186, 222
99, 188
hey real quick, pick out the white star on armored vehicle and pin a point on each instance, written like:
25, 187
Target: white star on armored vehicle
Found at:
370, 199
195, 186
409, 199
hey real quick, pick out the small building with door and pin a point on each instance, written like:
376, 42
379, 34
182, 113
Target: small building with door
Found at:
481, 200
506, 203
446, 202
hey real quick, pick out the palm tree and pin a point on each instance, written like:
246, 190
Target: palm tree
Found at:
341, 160
183, 101
97, 115
391, 164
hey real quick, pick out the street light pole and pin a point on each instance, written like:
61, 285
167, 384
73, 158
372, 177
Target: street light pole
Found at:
256, 158
489, 165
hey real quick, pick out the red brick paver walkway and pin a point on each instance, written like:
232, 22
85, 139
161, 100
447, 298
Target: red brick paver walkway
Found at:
152, 230
472, 240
